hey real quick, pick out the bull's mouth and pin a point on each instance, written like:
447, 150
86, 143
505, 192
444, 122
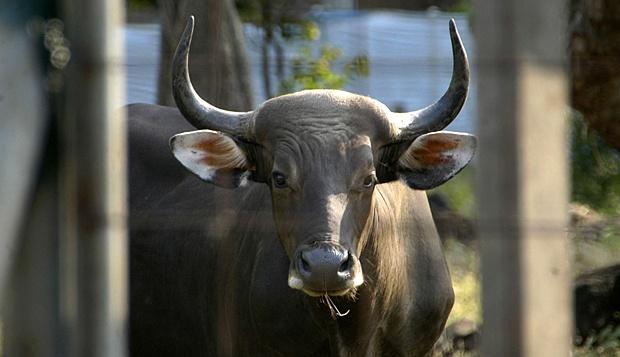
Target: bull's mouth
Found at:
295, 282
325, 268
318, 293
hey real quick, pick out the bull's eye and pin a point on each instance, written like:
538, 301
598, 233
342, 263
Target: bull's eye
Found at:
369, 181
279, 180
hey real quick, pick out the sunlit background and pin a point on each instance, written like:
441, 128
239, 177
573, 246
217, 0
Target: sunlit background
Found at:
399, 52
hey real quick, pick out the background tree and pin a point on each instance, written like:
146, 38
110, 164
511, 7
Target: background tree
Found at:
419, 5
595, 169
595, 94
595, 65
279, 20
218, 62
315, 71
289, 24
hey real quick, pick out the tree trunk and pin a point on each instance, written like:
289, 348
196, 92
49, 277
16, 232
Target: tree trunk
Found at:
218, 62
595, 64
268, 24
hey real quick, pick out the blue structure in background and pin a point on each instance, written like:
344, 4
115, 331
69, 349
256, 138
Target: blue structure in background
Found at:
409, 54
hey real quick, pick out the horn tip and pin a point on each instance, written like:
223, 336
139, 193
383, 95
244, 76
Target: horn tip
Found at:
190, 22
453, 25
186, 37
454, 34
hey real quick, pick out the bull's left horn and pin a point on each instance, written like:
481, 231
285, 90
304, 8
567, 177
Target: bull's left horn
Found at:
438, 115
198, 112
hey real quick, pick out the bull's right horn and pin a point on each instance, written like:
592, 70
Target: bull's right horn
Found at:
198, 112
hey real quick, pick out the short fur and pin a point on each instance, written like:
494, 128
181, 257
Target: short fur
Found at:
209, 265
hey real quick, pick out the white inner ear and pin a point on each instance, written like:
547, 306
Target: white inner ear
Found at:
204, 152
439, 149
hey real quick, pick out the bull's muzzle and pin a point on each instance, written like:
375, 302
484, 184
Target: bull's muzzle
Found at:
325, 268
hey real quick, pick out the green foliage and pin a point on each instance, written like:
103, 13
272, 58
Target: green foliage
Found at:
316, 69
304, 30
460, 192
248, 10
461, 6
141, 4
313, 66
595, 247
464, 264
310, 71
607, 343
595, 170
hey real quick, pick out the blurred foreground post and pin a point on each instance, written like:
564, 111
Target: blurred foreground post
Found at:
94, 246
28, 220
522, 177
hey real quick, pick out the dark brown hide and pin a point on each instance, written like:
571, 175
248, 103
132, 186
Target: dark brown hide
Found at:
209, 272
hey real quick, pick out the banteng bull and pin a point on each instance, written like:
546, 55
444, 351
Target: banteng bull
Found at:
312, 236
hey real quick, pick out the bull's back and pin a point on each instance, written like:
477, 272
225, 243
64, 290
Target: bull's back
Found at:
153, 170
189, 241
176, 225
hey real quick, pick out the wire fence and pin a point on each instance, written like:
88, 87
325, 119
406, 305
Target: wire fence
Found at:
396, 43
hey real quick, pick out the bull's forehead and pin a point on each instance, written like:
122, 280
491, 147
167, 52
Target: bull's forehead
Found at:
327, 156
336, 116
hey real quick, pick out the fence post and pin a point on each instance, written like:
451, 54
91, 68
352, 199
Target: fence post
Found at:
28, 223
522, 177
94, 246
23, 113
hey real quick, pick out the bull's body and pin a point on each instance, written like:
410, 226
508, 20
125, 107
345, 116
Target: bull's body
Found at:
208, 273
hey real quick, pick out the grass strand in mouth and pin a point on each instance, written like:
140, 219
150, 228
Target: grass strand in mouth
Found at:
333, 309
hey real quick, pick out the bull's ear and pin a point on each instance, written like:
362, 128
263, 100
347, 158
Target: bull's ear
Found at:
213, 156
434, 158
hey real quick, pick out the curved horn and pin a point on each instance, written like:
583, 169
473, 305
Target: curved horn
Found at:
199, 113
438, 115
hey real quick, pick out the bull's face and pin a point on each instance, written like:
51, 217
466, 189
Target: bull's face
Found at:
320, 168
320, 209
322, 154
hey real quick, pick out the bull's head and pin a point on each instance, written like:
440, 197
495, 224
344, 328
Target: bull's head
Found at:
322, 153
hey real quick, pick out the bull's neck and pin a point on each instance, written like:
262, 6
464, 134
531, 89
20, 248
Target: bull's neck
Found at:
383, 261
383, 264
384, 254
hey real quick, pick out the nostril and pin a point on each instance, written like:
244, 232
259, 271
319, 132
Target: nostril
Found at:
305, 266
346, 265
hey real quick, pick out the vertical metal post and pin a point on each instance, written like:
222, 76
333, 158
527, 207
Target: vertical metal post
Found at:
94, 249
522, 176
